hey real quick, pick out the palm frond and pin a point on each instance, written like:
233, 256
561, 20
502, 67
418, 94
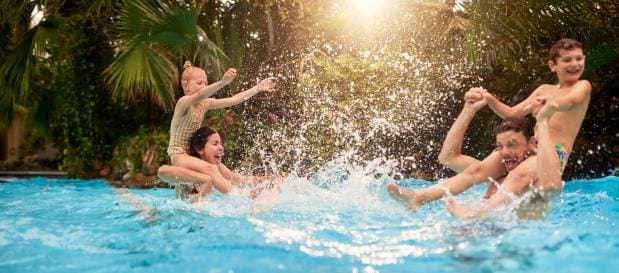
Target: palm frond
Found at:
140, 72
504, 30
207, 54
16, 12
154, 34
98, 7
18, 69
157, 23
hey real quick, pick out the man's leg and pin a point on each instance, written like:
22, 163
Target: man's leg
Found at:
490, 167
515, 183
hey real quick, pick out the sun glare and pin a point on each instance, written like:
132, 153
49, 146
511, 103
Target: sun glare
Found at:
369, 5
367, 15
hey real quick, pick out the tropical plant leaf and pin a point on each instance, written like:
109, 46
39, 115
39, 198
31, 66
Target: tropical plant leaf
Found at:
18, 69
512, 27
207, 54
141, 71
153, 32
599, 56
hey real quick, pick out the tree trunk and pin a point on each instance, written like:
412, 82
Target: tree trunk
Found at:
15, 137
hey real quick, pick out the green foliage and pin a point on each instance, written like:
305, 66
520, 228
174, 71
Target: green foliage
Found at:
516, 35
131, 151
90, 120
393, 79
155, 38
20, 68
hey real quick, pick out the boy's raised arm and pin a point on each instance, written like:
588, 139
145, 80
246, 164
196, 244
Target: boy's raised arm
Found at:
580, 92
504, 111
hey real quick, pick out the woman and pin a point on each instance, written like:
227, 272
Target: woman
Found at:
189, 113
206, 144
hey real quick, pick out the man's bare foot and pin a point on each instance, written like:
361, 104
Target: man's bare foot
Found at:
406, 197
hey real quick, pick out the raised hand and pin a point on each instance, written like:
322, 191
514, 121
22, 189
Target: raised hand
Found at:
535, 106
474, 94
229, 76
267, 84
549, 108
474, 99
476, 105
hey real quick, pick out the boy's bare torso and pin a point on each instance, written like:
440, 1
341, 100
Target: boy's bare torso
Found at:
564, 126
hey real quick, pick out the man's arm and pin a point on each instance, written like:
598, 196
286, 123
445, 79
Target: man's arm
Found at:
451, 153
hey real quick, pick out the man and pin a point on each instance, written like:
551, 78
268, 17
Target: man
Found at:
568, 101
451, 152
514, 143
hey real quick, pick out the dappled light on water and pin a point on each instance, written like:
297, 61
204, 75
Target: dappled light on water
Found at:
340, 218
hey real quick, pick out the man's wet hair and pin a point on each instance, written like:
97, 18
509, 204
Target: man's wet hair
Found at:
517, 125
565, 44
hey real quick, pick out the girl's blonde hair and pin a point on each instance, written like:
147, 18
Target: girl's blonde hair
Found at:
188, 70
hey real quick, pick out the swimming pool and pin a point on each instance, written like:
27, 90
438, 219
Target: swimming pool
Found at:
314, 226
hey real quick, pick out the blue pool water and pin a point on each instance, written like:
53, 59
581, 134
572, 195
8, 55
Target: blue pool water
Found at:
313, 226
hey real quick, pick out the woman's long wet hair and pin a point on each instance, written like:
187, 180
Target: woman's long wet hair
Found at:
199, 139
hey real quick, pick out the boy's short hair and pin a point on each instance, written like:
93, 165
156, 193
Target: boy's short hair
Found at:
515, 124
565, 44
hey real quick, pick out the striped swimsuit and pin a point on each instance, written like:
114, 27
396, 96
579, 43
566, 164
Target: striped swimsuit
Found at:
183, 128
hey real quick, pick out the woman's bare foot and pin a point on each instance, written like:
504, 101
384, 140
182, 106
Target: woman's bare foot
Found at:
406, 197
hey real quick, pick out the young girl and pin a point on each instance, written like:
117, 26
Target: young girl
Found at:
188, 115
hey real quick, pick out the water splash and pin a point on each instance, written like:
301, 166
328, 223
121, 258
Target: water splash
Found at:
374, 102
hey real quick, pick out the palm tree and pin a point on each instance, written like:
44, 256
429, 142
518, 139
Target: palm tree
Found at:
42, 65
504, 32
153, 39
